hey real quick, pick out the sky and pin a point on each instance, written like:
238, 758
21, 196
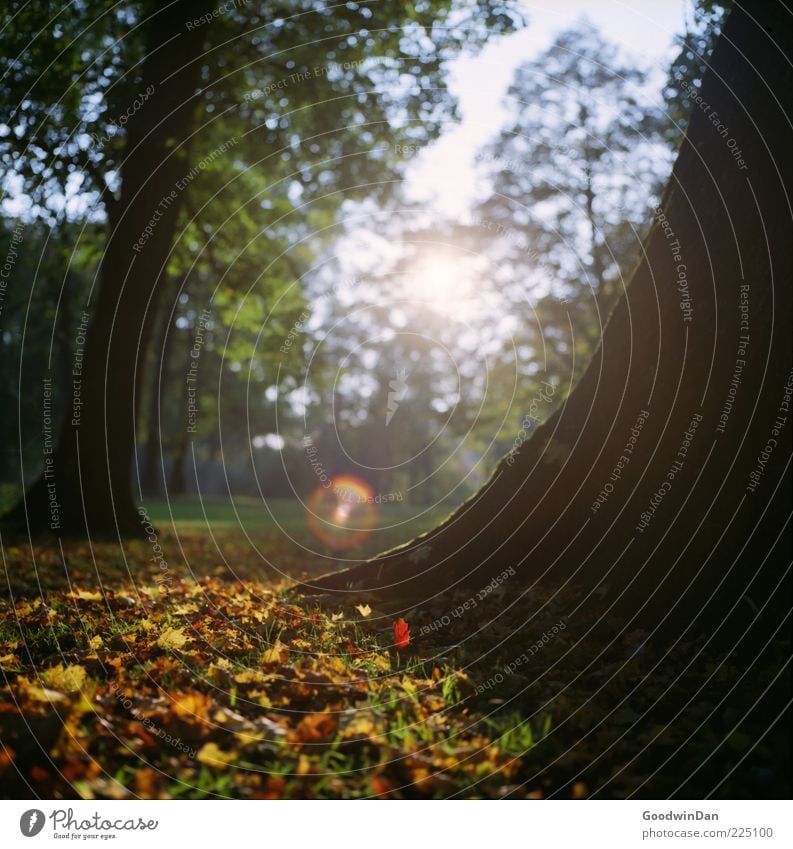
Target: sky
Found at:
442, 175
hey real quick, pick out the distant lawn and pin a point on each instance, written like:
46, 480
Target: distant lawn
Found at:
395, 523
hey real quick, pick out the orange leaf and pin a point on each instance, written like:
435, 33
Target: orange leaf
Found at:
401, 634
191, 705
316, 728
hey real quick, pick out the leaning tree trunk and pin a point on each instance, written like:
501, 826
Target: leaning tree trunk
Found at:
91, 467
661, 481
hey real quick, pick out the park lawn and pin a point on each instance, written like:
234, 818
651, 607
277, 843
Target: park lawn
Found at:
214, 678
280, 526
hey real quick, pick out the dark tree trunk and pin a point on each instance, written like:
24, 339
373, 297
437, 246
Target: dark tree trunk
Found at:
177, 483
151, 474
662, 481
93, 461
177, 479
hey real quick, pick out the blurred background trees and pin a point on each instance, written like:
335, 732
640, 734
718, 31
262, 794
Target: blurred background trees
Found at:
297, 232
213, 148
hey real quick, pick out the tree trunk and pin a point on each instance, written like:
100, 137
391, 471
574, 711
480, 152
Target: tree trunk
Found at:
177, 483
177, 478
660, 482
90, 472
151, 474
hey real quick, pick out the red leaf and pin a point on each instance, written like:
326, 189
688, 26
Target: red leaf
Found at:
401, 634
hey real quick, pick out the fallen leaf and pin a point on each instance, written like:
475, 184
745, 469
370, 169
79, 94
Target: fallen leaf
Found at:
195, 705
84, 595
66, 679
38, 694
211, 755
363, 609
381, 662
303, 766
147, 783
273, 655
316, 728
359, 727
252, 676
380, 786
172, 638
401, 634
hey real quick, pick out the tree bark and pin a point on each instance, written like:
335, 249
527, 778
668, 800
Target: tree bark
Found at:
661, 484
152, 475
91, 468
177, 483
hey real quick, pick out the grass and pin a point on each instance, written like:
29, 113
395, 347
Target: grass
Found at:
277, 521
278, 514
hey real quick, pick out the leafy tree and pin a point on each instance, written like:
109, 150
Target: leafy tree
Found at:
573, 178
162, 120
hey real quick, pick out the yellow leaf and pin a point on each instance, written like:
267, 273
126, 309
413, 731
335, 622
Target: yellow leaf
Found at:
38, 694
252, 676
67, 679
191, 704
363, 609
334, 617
211, 755
408, 685
361, 726
172, 638
84, 595
96, 642
336, 664
381, 662
273, 655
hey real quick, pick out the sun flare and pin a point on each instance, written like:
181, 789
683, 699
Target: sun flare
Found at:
444, 282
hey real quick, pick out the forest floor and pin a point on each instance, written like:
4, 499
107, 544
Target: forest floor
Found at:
123, 679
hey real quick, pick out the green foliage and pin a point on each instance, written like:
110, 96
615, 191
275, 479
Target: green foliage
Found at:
317, 98
299, 108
